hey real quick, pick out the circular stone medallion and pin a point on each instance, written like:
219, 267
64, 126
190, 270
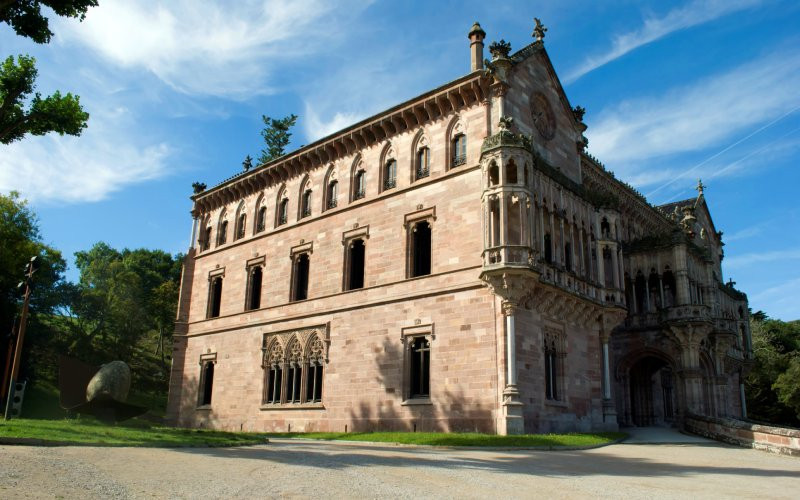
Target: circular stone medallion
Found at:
543, 118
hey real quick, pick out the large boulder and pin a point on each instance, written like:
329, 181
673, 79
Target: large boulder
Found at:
112, 381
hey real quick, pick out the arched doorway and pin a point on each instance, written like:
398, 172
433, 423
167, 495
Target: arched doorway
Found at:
652, 392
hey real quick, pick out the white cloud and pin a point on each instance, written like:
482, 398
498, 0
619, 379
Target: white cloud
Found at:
744, 234
703, 114
81, 169
694, 13
204, 47
779, 301
746, 260
316, 127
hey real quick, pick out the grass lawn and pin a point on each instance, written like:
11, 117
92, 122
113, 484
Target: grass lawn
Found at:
463, 439
131, 433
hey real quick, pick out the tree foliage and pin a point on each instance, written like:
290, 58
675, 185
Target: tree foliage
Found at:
276, 136
54, 113
122, 307
27, 19
773, 385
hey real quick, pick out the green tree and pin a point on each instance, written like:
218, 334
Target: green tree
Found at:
54, 113
276, 136
773, 384
27, 19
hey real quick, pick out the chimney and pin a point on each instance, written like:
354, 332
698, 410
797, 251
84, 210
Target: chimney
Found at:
476, 36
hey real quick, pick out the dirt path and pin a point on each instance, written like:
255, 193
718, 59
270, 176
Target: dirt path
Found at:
346, 470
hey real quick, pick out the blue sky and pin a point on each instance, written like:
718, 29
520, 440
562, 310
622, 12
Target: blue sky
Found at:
673, 90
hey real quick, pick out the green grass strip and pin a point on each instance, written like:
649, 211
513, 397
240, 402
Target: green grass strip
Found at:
132, 433
464, 439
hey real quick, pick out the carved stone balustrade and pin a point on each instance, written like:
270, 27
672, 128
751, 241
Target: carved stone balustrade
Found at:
518, 256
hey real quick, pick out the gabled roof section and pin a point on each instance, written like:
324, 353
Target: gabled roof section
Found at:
535, 48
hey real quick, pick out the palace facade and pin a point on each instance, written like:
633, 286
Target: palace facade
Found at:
458, 262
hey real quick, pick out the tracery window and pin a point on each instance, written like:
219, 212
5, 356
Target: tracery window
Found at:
459, 150
293, 364
205, 238
306, 204
222, 231
494, 174
240, 226
283, 211
511, 172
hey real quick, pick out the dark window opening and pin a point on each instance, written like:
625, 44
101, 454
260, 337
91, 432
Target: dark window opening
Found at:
421, 249
306, 205
605, 228
654, 293
548, 248
608, 268
208, 383
640, 290
241, 223
494, 174
355, 261
359, 185
668, 280
273, 395
551, 372
215, 300
223, 233
206, 243
314, 382
254, 289
261, 223
511, 172
283, 211
420, 368
390, 175
333, 191
568, 256
301, 268
293, 383
423, 163
459, 150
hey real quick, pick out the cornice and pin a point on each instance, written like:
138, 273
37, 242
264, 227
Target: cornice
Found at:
463, 92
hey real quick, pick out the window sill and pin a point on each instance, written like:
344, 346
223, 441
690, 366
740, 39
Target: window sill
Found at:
417, 402
556, 403
292, 406
203, 408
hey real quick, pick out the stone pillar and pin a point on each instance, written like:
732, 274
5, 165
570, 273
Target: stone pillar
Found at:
513, 422
610, 421
193, 238
742, 399
601, 272
615, 267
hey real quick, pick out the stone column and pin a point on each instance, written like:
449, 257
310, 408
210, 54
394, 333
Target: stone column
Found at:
615, 267
512, 406
195, 225
601, 272
742, 399
609, 407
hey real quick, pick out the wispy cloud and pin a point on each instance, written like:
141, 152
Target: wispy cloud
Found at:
54, 169
779, 301
211, 48
740, 261
699, 115
694, 13
745, 233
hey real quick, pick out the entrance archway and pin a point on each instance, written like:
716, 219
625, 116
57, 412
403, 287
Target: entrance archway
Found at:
652, 392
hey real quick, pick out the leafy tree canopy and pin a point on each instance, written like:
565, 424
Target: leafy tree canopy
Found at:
55, 113
27, 19
276, 136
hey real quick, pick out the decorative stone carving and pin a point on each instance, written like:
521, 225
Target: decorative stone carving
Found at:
543, 117
500, 50
539, 30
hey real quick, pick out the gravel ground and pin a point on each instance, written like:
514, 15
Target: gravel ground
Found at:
290, 469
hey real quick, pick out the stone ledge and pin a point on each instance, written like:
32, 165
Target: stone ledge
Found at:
774, 439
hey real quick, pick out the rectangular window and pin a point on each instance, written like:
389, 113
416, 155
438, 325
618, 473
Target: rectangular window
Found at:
390, 175
214, 296
314, 382
421, 249
206, 386
423, 163
417, 363
554, 354
459, 150
300, 279
355, 265
254, 282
